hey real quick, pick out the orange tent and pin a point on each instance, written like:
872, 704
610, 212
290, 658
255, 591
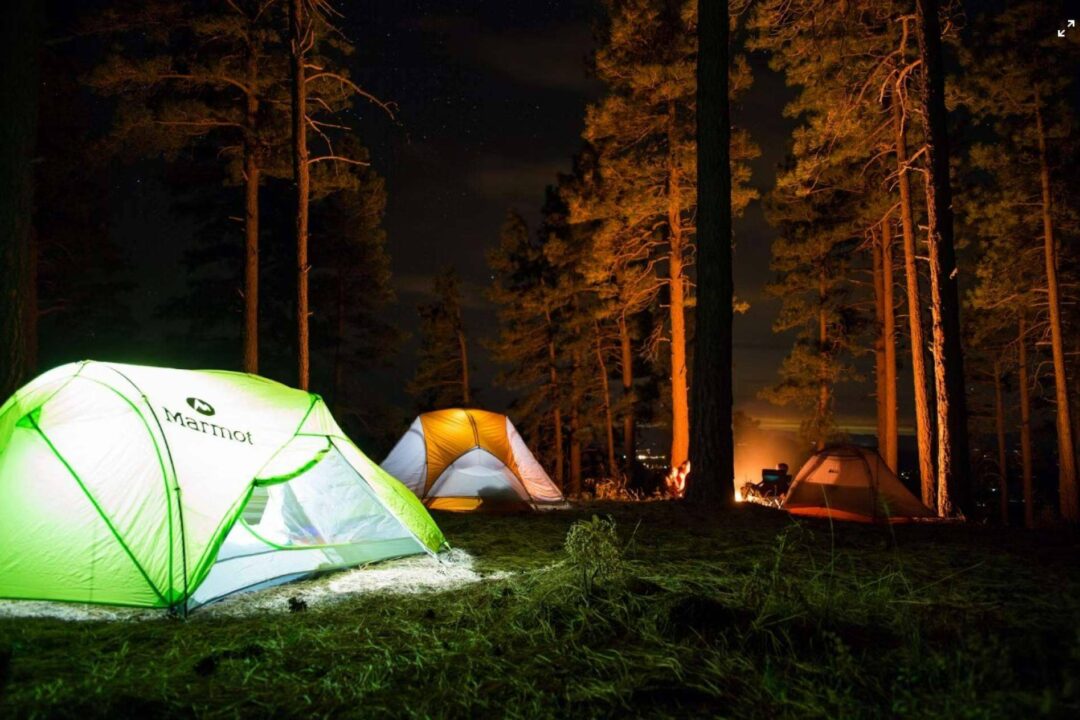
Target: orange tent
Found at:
853, 483
459, 459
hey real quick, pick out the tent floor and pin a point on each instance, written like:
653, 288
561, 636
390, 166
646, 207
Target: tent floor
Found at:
478, 504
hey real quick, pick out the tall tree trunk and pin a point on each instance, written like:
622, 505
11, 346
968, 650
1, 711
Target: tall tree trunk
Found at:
1003, 467
252, 176
463, 349
892, 434
575, 452
924, 427
251, 263
629, 427
712, 474
556, 407
1025, 423
680, 412
1067, 489
33, 308
879, 340
953, 466
339, 345
605, 390
823, 378
301, 38
18, 139
1075, 406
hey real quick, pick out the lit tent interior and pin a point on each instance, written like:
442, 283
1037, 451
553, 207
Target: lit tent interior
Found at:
152, 487
458, 459
847, 482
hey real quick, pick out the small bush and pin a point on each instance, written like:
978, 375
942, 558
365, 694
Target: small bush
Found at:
592, 548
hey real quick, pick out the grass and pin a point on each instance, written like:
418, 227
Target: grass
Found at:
743, 614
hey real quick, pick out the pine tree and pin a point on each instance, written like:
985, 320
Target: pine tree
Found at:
614, 266
1020, 78
302, 15
194, 72
953, 461
853, 65
351, 289
81, 299
22, 33
644, 135
812, 262
317, 100
523, 291
884, 280
831, 200
924, 427
712, 448
581, 323
442, 373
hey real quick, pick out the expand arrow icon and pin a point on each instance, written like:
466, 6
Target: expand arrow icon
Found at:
1072, 23
1061, 33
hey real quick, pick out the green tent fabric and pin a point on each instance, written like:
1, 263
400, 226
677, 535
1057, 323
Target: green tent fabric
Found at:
152, 487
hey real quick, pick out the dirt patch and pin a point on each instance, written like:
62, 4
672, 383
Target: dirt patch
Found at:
417, 574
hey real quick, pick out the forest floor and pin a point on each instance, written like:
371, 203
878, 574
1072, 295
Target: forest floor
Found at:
740, 614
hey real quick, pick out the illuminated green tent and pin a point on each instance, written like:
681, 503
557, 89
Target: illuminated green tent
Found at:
152, 487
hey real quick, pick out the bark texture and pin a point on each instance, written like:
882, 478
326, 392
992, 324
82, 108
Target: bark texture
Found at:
892, 440
556, 410
712, 472
1025, 423
463, 351
680, 411
924, 427
1003, 465
18, 139
605, 400
626, 352
953, 462
252, 178
300, 34
1068, 497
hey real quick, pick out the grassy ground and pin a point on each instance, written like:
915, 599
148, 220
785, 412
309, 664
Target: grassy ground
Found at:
743, 614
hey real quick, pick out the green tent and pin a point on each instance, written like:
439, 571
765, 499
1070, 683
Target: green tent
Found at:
152, 487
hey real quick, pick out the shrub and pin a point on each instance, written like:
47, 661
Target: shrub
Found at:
592, 548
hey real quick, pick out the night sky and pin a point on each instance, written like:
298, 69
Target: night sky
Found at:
491, 96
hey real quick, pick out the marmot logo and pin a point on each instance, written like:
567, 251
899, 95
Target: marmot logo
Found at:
206, 428
201, 406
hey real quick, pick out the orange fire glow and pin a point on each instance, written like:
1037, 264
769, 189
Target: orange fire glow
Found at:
675, 482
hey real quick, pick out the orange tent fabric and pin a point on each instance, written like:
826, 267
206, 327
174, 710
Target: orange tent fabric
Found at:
467, 459
450, 433
854, 484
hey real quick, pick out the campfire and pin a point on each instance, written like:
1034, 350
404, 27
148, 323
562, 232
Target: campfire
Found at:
675, 482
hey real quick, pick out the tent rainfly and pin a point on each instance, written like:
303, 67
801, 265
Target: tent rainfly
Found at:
143, 486
470, 459
847, 482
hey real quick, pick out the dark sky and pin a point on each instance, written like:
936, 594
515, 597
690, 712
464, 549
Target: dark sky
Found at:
491, 96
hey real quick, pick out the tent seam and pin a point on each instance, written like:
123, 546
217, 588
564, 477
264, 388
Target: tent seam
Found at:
97, 507
380, 500
176, 484
237, 508
161, 465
